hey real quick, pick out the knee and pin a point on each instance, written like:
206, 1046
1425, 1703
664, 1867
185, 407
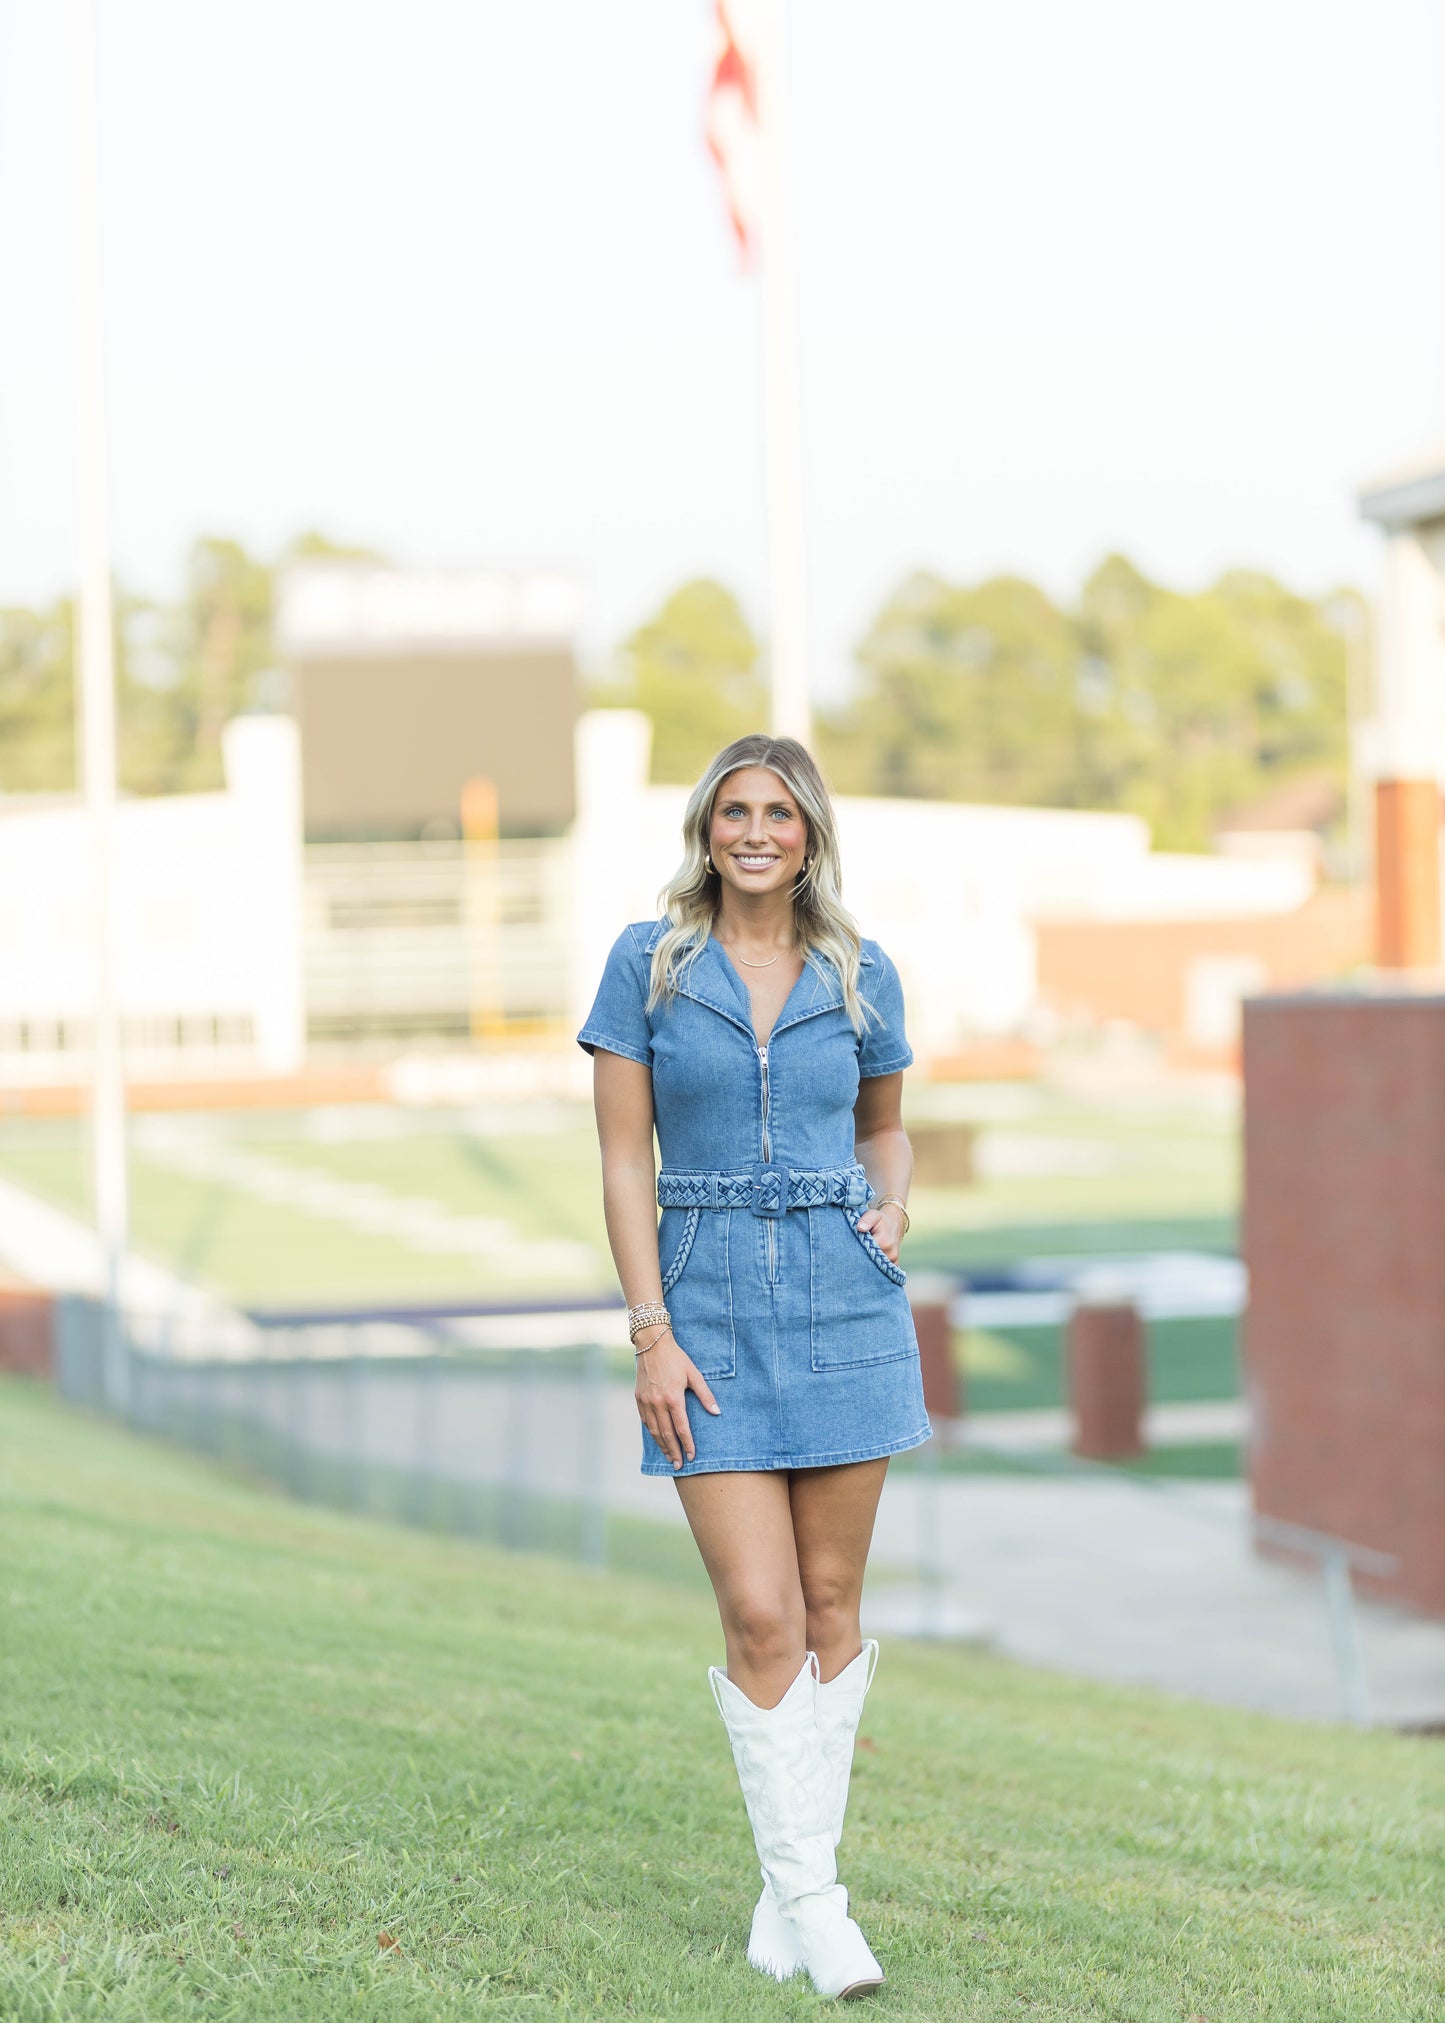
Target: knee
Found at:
763, 1628
831, 1600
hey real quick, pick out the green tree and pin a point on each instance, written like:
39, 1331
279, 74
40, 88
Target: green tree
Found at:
182, 670
1178, 707
968, 694
693, 669
1211, 698
312, 546
37, 701
224, 641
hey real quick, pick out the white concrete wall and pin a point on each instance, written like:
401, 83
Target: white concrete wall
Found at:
951, 890
1406, 738
208, 896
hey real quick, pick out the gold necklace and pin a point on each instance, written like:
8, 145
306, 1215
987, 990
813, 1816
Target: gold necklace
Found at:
757, 965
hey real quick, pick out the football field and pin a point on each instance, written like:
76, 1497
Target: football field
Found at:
370, 1206
374, 1202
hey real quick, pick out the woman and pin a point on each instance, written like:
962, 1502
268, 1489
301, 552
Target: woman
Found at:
777, 1367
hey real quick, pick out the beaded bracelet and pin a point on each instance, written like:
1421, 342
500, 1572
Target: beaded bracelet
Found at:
648, 1313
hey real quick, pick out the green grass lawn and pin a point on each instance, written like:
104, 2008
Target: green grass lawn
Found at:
1155, 1176
1009, 1369
1192, 1461
258, 1761
265, 1251
947, 1245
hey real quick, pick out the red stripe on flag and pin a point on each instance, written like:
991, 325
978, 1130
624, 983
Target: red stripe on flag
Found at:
732, 119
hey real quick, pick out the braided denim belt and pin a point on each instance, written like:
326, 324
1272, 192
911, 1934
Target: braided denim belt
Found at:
765, 1189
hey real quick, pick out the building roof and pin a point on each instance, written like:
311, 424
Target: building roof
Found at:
1408, 495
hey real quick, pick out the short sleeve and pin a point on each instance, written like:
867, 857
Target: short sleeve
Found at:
618, 1020
883, 1047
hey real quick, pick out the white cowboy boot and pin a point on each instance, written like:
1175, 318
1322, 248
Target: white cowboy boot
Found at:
791, 1805
771, 1946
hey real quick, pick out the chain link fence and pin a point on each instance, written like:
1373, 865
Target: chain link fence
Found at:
402, 1421
1077, 1565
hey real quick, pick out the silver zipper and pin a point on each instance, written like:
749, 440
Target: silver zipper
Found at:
772, 1234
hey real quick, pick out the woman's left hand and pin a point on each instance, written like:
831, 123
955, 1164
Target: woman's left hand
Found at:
885, 1226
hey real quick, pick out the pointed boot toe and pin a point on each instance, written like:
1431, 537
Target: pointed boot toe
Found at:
840, 1961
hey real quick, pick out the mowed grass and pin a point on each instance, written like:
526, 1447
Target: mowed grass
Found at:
1191, 1461
259, 1761
1132, 1176
1011, 1368
543, 1185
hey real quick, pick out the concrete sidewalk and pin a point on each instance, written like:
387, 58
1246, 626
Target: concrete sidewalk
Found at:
1152, 1583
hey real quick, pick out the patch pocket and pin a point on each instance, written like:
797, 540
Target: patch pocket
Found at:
860, 1312
697, 1285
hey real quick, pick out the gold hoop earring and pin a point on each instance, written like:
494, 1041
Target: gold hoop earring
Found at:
707, 864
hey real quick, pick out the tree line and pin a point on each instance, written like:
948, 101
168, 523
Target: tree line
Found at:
1178, 706
184, 668
1182, 707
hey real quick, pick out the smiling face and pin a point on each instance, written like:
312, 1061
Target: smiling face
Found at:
758, 837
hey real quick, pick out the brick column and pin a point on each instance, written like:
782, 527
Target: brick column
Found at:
1105, 1353
931, 1295
1344, 1236
1407, 874
26, 1331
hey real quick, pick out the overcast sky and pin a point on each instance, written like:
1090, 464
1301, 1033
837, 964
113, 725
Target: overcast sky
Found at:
452, 277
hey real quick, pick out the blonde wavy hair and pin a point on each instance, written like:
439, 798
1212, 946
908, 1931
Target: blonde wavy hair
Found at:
689, 901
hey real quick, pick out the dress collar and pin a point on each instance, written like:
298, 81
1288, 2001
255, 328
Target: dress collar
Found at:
712, 980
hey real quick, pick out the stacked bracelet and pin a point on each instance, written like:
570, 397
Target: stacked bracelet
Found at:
649, 1313
894, 1201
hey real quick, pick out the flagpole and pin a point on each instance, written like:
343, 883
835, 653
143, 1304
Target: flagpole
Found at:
782, 425
96, 695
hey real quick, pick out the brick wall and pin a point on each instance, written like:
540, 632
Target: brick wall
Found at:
26, 1331
1139, 970
1344, 1236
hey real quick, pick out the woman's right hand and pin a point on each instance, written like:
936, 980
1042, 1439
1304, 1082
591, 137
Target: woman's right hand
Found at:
664, 1378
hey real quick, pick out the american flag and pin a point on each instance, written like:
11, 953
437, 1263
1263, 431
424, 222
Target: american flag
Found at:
734, 134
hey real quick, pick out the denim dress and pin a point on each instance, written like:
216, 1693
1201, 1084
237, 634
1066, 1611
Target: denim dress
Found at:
793, 1314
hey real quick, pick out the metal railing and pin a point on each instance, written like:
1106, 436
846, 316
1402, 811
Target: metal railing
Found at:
1338, 1561
934, 1611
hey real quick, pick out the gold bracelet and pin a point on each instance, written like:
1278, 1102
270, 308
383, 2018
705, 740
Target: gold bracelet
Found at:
895, 1201
636, 1352
648, 1313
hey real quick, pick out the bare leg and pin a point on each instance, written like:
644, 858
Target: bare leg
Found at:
833, 1512
743, 1525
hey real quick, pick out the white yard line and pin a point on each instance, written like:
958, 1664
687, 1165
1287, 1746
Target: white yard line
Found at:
413, 1221
51, 1248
